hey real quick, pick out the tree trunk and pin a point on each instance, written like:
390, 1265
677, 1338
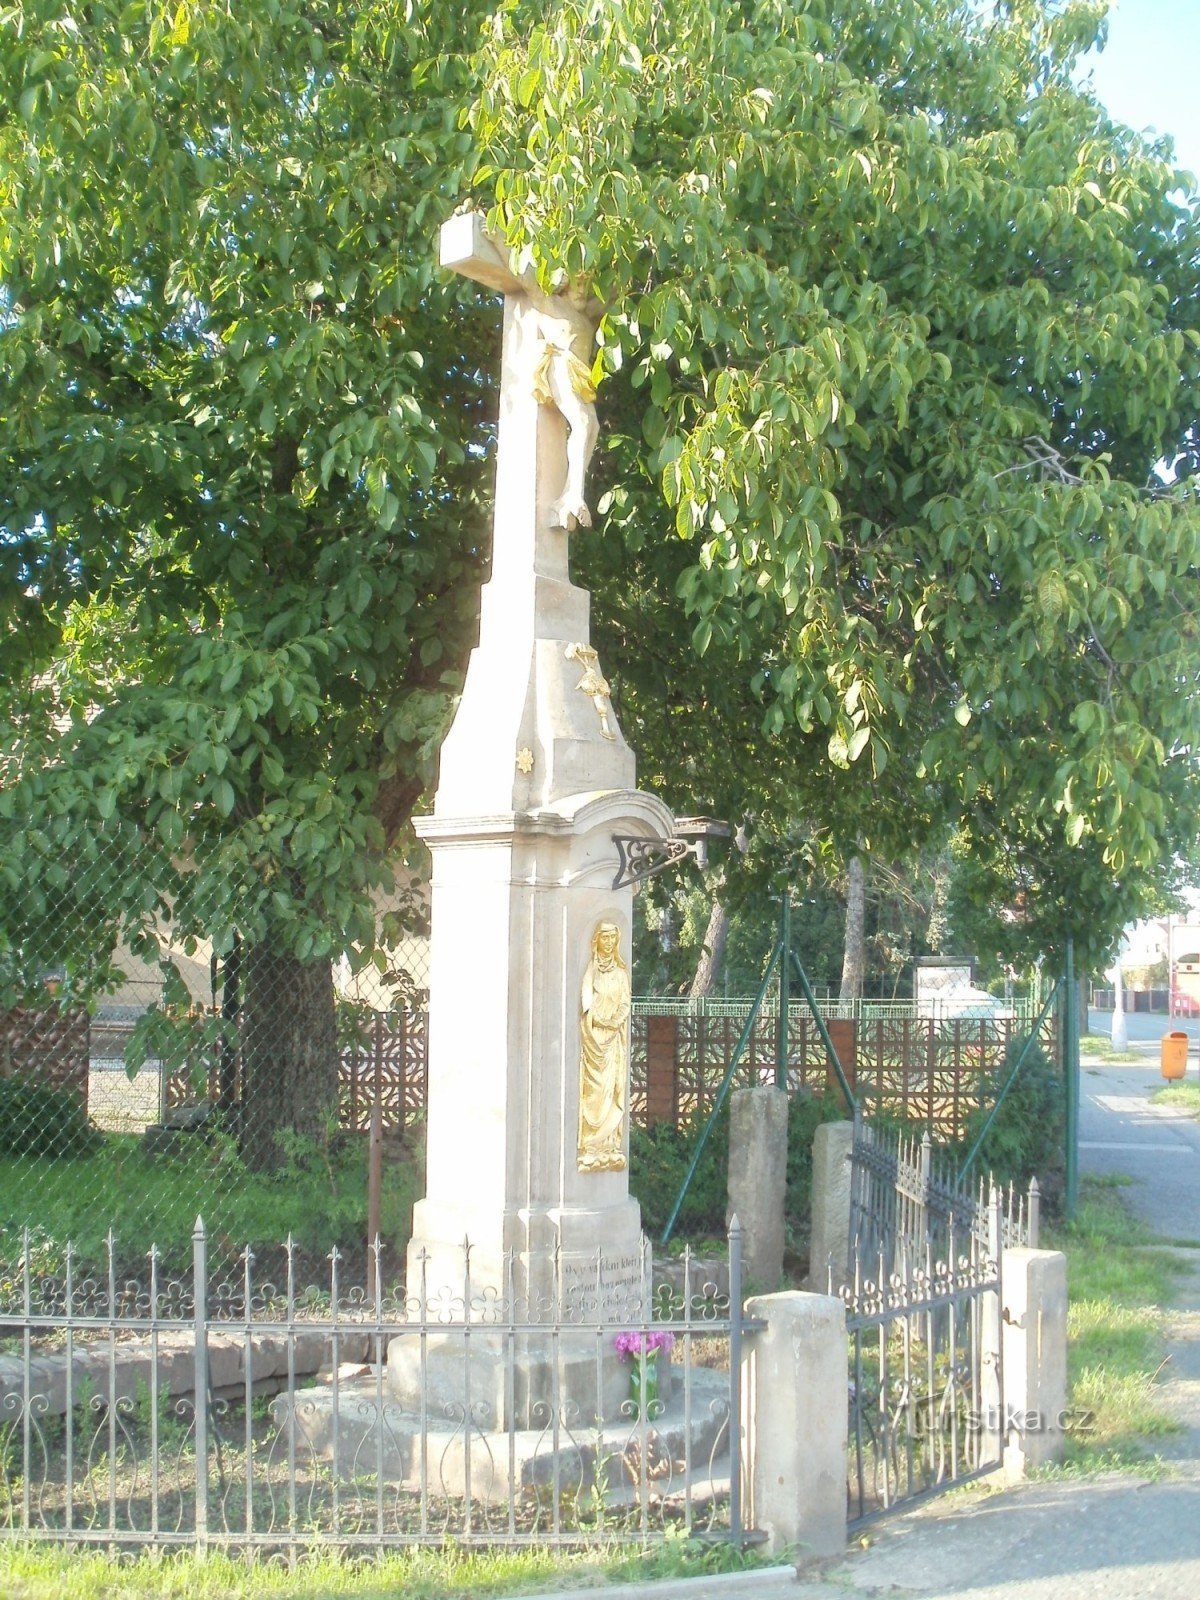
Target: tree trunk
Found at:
854, 958
289, 1053
712, 956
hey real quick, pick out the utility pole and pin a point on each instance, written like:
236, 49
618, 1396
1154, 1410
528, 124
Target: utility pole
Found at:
1120, 1028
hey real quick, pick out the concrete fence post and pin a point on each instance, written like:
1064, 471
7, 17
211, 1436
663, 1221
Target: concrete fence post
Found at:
758, 1130
830, 1244
794, 1409
1033, 1293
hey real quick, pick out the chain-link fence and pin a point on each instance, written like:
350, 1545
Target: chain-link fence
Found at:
157, 1063
162, 1056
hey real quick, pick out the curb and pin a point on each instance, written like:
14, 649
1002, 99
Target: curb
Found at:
720, 1584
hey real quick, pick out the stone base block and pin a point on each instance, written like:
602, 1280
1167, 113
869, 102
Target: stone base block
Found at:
365, 1434
517, 1379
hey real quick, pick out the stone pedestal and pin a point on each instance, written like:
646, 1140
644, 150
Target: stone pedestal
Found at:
516, 902
509, 1380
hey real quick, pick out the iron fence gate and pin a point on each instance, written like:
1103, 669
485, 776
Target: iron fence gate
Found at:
256, 1415
924, 1314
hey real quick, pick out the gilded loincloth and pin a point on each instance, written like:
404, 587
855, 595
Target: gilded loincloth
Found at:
578, 374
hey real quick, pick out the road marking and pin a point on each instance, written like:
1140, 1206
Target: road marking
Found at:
1142, 1145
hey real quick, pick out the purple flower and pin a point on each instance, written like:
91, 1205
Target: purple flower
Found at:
632, 1344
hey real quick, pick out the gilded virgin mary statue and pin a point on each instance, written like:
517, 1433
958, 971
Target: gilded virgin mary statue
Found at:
604, 1054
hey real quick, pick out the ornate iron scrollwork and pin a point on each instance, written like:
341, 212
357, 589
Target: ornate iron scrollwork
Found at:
639, 859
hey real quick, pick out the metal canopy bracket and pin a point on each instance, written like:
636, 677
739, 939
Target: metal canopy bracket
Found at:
639, 859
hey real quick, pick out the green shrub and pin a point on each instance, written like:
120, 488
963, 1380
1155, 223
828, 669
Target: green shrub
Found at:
1027, 1138
806, 1112
37, 1119
659, 1158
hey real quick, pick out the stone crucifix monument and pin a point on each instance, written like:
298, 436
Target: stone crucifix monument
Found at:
529, 997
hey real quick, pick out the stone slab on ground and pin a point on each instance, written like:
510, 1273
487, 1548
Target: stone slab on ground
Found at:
95, 1367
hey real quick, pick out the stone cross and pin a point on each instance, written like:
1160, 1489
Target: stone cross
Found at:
549, 343
528, 1103
530, 611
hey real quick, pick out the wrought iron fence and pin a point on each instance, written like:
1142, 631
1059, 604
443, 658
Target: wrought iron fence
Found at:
252, 1413
926, 1393
907, 1207
923, 1298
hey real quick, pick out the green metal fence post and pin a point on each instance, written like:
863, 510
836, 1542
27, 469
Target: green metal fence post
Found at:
1071, 1071
830, 1053
785, 992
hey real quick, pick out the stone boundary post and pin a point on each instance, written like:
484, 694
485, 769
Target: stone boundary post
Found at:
758, 1135
830, 1242
1033, 1290
794, 1406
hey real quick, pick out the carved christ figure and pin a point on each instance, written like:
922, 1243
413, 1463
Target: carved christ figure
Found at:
604, 1006
566, 328
594, 684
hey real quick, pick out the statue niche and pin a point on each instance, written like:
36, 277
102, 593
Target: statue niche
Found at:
604, 1007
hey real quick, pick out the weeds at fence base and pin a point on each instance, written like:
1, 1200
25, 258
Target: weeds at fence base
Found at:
35, 1572
1118, 1281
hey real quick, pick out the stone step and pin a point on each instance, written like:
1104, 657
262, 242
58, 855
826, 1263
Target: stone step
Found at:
364, 1435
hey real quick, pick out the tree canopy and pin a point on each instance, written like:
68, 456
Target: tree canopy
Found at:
902, 324
899, 325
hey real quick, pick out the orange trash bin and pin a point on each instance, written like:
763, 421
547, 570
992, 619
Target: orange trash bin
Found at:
1174, 1054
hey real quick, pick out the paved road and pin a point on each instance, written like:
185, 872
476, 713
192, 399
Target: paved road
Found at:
1121, 1130
1143, 1028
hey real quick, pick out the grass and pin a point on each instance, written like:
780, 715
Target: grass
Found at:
318, 1196
1118, 1281
34, 1572
1183, 1095
1099, 1047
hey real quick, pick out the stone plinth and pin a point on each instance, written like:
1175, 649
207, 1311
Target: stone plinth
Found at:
518, 1379
363, 1432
